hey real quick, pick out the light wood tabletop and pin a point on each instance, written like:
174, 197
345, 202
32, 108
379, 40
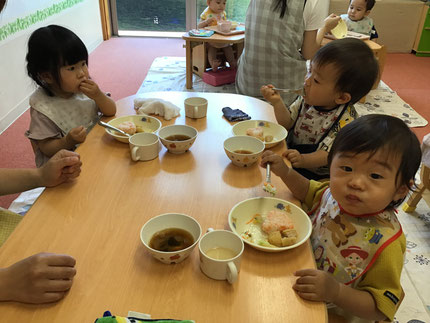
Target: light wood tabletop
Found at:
97, 219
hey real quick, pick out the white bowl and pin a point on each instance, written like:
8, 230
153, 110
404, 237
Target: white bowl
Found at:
167, 221
278, 132
241, 214
233, 145
177, 147
146, 123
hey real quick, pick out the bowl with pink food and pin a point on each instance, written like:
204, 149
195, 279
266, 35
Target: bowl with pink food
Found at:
270, 224
133, 124
268, 132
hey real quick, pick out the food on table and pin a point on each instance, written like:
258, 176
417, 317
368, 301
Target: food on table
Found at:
276, 220
268, 138
256, 132
128, 127
243, 151
283, 238
172, 239
178, 137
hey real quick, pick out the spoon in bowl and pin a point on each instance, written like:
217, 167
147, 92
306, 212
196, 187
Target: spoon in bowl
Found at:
267, 186
106, 125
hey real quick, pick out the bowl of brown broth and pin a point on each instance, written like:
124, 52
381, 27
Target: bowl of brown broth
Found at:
170, 237
177, 138
243, 151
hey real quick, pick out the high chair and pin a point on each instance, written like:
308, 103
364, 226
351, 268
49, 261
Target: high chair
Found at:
411, 204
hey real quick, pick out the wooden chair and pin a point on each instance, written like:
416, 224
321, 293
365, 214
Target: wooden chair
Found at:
416, 196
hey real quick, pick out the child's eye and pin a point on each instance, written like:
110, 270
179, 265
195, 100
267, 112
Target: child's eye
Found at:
316, 81
70, 68
84, 63
346, 168
376, 176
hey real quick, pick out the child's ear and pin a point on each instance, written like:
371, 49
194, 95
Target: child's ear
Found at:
342, 98
367, 13
401, 192
46, 77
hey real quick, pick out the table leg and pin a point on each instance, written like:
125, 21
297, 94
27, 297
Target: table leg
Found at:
189, 64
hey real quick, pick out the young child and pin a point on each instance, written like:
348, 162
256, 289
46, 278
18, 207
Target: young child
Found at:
357, 240
67, 101
211, 16
340, 74
357, 18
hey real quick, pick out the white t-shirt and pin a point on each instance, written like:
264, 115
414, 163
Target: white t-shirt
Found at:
314, 14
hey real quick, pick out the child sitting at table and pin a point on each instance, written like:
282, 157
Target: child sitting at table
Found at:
211, 16
357, 18
356, 237
334, 82
67, 101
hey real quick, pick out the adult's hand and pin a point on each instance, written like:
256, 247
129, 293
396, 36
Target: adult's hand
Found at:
64, 166
41, 278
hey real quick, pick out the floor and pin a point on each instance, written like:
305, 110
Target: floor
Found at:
120, 65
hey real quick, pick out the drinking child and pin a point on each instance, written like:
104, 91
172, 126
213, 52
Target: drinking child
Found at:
211, 16
357, 18
356, 238
67, 100
334, 82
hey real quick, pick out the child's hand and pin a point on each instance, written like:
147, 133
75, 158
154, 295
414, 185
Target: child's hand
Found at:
277, 164
76, 135
270, 94
90, 89
316, 285
297, 160
211, 21
330, 22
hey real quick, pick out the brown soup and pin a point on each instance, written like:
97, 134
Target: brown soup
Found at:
242, 151
172, 239
178, 137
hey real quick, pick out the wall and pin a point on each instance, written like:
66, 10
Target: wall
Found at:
80, 16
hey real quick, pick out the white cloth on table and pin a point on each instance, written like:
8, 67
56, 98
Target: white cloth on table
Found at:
159, 107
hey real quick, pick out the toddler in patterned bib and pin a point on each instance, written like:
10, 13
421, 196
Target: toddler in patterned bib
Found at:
357, 18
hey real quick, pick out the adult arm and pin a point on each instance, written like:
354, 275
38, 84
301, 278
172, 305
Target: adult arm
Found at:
63, 166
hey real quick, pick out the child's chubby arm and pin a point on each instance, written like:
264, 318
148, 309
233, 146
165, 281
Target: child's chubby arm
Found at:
106, 105
75, 136
282, 113
319, 286
311, 160
297, 184
205, 23
41, 278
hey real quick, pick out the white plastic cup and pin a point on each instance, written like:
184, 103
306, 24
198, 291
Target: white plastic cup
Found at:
144, 146
196, 107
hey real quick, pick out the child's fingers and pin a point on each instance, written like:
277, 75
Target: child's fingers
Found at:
308, 296
306, 272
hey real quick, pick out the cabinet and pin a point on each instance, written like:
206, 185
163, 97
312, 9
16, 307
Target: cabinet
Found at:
422, 41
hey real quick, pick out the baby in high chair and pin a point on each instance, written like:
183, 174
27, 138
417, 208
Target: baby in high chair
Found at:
211, 16
67, 101
357, 18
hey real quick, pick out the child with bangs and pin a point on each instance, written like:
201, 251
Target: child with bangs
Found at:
356, 237
340, 74
67, 101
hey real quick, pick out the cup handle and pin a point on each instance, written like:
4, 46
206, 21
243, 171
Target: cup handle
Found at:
231, 272
209, 230
134, 155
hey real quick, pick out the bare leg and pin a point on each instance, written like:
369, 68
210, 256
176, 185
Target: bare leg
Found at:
229, 55
213, 60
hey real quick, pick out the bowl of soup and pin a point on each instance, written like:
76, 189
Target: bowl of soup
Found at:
243, 151
170, 237
177, 138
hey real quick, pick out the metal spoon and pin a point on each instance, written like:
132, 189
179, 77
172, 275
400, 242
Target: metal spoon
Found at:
106, 125
268, 187
300, 91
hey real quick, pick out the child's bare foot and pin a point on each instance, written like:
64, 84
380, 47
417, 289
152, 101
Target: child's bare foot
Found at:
215, 64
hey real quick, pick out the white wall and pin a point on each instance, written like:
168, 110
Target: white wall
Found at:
15, 86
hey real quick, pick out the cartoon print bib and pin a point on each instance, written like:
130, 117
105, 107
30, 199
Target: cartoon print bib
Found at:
79, 110
347, 246
208, 13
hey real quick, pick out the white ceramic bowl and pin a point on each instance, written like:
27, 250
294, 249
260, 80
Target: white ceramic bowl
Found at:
233, 145
278, 132
241, 214
167, 221
146, 123
177, 147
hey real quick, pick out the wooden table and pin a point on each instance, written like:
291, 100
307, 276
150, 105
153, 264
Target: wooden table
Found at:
97, 219
200, 55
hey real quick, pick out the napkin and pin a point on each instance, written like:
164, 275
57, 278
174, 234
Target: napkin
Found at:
159, 107
234, 115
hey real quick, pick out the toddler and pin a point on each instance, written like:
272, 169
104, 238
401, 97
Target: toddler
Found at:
334, 82
357, 18
67, 101
357, 239
213, 14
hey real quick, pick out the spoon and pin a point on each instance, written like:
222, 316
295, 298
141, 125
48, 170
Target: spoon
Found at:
268, 187
300, 91
106, 125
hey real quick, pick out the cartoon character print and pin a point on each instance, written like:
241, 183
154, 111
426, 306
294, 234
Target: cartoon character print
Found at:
354, 256
373, 235
341, 229
324, 263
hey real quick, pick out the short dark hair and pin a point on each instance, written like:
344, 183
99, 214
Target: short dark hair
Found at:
373, 132
369, 4
357, 67
50, 48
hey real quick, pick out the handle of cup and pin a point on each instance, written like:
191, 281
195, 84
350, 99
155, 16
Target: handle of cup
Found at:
134, 155
209, 230
231, 272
